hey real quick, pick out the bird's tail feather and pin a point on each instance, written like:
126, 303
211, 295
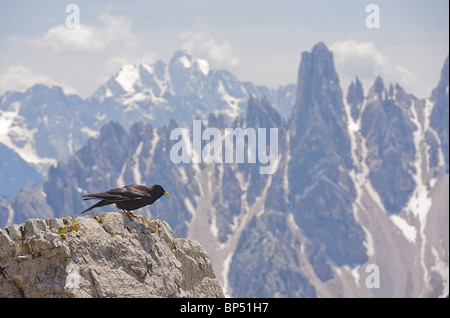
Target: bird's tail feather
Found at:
105, 196
98, 204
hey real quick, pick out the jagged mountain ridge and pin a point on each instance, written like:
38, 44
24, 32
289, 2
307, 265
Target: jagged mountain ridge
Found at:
391, 150
439, 115
37, 126
184, 89
311, 228
318, 136
43, 125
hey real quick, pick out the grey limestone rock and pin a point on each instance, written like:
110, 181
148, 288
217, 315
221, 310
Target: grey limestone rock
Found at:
104, 256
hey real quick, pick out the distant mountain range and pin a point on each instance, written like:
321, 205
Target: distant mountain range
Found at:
362, 179
43, 125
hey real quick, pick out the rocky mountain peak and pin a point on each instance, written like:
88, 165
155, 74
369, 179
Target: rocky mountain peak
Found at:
188, 73
443, 81
260, 113
377, 88
318, 90
390, 166
317, 75
439, 119
104, 256
318, 137
185, 60
355, 97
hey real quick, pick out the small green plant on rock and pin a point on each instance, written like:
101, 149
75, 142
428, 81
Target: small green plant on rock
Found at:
71, 226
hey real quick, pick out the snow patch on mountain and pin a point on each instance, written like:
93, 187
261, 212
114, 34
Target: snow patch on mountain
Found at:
15, 134
128, 77
90, 132
136, 170
360, 173
419, 203
120, 181
151, 156
224, 275
204, 66
185, 61
234, 109
408, 230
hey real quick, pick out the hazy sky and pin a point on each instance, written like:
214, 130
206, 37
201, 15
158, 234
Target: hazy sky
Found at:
258, 41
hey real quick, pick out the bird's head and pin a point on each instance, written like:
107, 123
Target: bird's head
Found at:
157, 191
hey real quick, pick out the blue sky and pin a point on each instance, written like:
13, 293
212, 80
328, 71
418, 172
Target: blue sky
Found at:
259, 41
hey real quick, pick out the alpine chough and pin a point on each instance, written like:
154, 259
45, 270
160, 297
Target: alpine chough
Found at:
127, 198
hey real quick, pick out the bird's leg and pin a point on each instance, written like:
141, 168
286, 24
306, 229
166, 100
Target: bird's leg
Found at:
128, 213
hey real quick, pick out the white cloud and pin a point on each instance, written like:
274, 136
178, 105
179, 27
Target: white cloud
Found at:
83, 56
113, 64
116, 62
201, 44
149, 58
362, 59
20, 78
110, 32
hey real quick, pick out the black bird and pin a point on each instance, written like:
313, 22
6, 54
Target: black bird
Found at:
127, 198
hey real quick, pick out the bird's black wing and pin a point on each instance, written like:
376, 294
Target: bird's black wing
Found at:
129, 192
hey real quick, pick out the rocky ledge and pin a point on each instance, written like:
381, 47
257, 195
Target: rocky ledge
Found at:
108, 255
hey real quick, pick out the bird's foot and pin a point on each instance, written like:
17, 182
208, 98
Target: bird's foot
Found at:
129, 214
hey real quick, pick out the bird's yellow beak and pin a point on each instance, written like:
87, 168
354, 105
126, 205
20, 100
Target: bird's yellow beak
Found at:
166, 193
